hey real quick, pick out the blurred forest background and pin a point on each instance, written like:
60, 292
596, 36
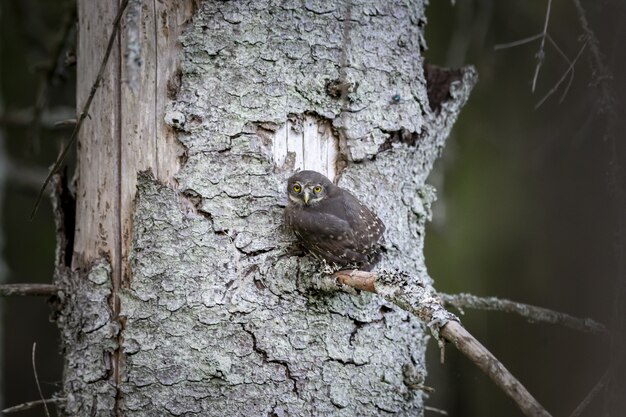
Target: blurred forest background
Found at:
530, 199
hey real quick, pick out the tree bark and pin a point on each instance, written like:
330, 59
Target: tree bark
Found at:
183, 295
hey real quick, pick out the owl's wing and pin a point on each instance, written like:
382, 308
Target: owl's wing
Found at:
367, 227
325, 234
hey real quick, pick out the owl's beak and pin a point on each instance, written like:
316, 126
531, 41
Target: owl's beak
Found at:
307, 196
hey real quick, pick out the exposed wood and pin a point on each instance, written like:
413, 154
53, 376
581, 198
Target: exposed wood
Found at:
133, 137
307, 143
149, 61
98, 142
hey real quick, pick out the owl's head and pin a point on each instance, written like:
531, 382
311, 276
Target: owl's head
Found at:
308, 188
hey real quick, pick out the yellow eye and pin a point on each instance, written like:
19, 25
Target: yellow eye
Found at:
297, 188
317, 189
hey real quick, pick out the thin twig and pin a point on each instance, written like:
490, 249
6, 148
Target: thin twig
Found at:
541, 54
32, 404
528, 311
85, 111
524, 41
592, 394
66, 123
37, 380
24, 117
45, 290
420, 300
51, 73
556, 86
25, 176
435, 410
569, 61
600, 70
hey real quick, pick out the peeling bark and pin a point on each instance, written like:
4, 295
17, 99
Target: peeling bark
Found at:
202, 308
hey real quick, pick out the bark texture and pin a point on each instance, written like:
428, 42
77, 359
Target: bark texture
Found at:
215, 314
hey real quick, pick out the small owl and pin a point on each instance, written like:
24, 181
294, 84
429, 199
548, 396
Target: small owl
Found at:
331, 223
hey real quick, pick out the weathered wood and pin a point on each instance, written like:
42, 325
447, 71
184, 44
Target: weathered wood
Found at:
149, 61
98, 152
131, 136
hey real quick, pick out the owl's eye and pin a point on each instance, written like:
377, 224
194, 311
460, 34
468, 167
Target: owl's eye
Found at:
317, 189
296, 188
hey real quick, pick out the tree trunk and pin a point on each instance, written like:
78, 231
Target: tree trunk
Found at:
181, 293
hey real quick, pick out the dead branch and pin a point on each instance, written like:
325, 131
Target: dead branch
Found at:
26, 176
420, 299
436, 410
48, 119
528, 311
52, 71
541, 54
32, 404
45, 290
519, 42
569, 70
592, 394
45, 405
86, 106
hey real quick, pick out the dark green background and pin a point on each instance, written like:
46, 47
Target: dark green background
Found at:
526, 207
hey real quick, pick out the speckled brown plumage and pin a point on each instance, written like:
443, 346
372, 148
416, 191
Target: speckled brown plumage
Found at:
331, 223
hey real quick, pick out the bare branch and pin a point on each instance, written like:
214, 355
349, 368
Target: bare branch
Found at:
45, 290
45, 406
569, 61
513, 44
599, 68
26, 176
436, 410
420, 300
85, 110
65, 123
592, 394
48, 119
556, 86
32, 404
528, 311
51, 72
541, 54
477, 353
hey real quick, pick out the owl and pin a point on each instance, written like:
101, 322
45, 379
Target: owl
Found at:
331, 223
